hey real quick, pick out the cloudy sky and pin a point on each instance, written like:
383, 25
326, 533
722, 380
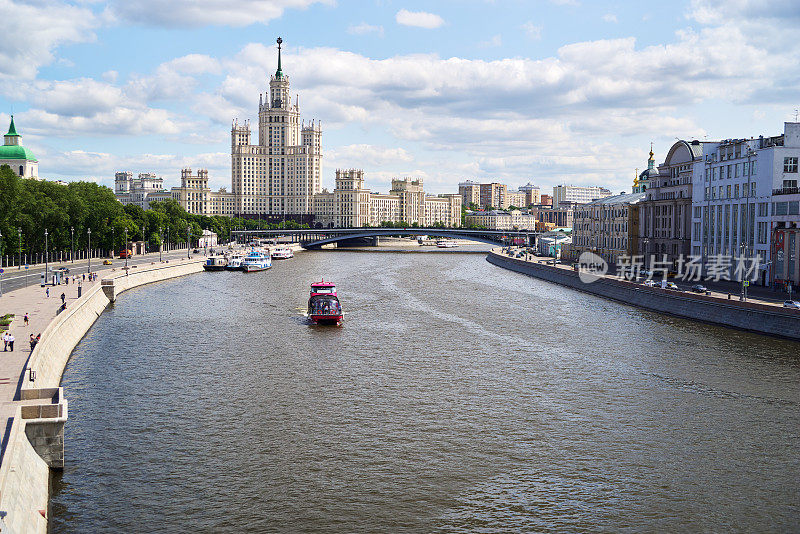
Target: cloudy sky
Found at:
546, 91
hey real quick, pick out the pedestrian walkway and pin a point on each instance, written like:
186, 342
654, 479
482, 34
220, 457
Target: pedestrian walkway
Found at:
41, 311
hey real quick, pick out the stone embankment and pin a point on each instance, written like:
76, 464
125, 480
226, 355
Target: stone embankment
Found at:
757, 317
35, 439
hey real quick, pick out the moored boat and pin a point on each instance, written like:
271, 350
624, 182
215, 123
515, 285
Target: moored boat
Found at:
256, 260
444, 243
215, 263
234, 263
282, 253
323, 304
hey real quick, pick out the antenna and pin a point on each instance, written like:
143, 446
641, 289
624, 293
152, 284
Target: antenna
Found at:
796, 111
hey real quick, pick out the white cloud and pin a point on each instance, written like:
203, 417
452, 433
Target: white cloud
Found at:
532, 30
610, 17
182, 13
420, 19
493, 42
31, 32
364, 28
366, 156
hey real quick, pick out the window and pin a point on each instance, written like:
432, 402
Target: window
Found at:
736, 191
790, 164
752, 189
697, 212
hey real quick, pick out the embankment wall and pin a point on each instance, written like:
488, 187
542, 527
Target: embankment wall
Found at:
754, 317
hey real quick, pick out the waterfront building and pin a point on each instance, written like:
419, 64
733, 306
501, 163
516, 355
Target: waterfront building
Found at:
533, 195
493, 195
609, 227
470, 193
20, 159
515, 198
665, 213
142, 190
577, 194
278, 176
561, 217
353, 205
502, 220
743, 201
554, 242
546, 200
197, 198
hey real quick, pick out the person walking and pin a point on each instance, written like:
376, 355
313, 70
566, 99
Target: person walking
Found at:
63, 298
11, 342
5, 341
25, 319
32, 342
47, 292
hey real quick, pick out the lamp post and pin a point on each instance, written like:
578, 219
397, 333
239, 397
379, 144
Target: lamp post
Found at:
19, 242
72, 237
89, 243
46, 256
126, 249
161, 244
1, 264
187, 242
113, 241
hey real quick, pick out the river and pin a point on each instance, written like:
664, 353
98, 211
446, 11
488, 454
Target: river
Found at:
456, 397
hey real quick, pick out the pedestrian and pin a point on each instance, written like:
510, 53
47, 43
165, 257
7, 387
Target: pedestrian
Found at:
47, 292
63, 298
11, 342
5, 341
66, 280
25, 319
32, 342
84, 277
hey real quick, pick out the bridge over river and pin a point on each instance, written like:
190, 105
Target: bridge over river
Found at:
315, 238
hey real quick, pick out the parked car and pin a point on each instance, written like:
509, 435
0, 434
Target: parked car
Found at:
671, 285
649, 283
106, 262
699, 288
792, 304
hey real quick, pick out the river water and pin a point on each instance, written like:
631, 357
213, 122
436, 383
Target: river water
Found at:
456, 397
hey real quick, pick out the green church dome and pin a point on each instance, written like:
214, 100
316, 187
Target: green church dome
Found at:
16, 152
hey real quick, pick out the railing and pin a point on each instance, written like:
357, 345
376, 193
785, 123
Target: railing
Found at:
786, 191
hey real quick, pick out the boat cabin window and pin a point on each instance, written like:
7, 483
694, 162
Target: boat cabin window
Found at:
325, 306
323, 289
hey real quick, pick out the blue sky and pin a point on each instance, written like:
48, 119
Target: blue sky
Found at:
548, 91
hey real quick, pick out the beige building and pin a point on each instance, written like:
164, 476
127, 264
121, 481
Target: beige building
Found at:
577, 194
608, 227
470, 193
533, 195
142, 190
280, 175
493, 195
502, 220
197, 198
352, 205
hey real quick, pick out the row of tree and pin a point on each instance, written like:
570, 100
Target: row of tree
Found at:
29, 208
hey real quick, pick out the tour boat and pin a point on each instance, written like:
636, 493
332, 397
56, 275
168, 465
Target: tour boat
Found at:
282, 253
215, 263
256, 260
323, 304
446, 244
234, 263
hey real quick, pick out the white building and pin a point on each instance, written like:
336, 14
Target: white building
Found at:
20, 159
197, 198
744, 194
278, 176
142, 190
578, 194
502, 220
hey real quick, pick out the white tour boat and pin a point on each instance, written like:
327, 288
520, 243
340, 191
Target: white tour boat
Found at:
256, 260
234, 263
444, 243
282, 253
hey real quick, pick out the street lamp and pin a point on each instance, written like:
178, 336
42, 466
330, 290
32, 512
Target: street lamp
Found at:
1, 264
126, 249
19, 241
89, 243
161, 244
72, 237
46, 256
187, 241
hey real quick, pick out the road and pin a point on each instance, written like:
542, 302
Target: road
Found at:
13, 278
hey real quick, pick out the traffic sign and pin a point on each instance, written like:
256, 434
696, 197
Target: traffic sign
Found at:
746, 283
1, 271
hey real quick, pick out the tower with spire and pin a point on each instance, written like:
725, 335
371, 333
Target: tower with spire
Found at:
20, 159
277, 177
647, 176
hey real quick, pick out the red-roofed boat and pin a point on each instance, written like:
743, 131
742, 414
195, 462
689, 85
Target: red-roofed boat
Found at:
323, 304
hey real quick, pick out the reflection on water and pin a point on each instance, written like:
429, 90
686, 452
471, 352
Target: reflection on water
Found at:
456, 397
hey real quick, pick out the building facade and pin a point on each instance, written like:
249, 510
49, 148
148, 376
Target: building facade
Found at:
141, 190
744, 203
20, 159
502, 220
470, 193
665, 213
493, 195
279, 176
560, 217
197, 198
608, 227
533, 195
577, 194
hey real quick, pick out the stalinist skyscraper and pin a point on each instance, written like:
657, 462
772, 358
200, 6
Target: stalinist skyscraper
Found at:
278, 176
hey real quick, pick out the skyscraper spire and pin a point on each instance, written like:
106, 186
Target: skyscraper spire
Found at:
279, 72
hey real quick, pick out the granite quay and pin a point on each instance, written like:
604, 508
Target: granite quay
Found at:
33, 405
754, 315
